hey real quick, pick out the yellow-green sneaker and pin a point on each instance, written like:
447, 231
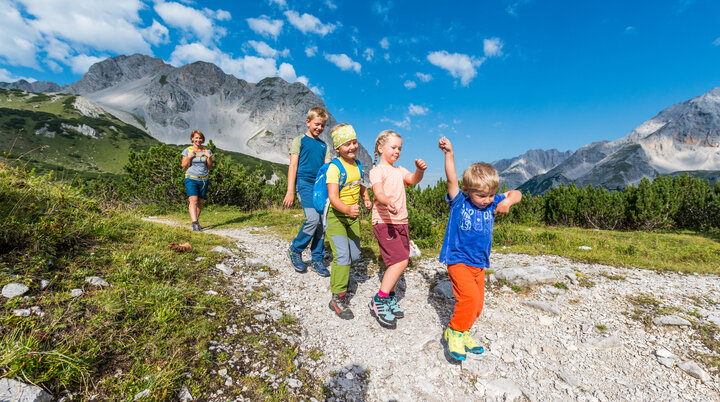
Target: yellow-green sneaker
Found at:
470, 344
454, 340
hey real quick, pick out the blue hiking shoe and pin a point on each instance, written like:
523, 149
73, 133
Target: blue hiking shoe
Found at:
296, 261
394, 307
380, 309
320, 269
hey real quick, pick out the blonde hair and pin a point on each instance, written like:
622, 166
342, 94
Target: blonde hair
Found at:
317, 111
382, 140
481, 176
198, 132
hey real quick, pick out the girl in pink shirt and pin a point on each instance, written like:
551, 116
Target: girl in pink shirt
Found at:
390, 221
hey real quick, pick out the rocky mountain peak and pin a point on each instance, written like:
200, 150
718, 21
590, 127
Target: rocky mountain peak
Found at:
114, 70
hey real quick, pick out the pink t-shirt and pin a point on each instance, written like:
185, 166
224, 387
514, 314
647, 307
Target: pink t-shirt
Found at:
393, 183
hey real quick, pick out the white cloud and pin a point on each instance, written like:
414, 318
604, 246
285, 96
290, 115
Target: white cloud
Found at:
385, 43
7, 76
308, 23
492, 47
424, 77
368, 54
18, 46
317, 90
330, 4
90, 23
196, 22
382, 9
287, 72
458, 65
417, 110
264, 50
265, 26
344, 62
311, 51
249, 68
630, 29
281, 3
156, 34
716, 42
404, 123
442, 126
81, 63
410, 84
512, 8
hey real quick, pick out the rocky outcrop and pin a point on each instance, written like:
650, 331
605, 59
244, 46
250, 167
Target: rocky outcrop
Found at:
516, 171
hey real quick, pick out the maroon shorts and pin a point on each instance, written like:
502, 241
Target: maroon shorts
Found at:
394, 242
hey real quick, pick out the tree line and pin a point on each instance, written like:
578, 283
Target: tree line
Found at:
665, 203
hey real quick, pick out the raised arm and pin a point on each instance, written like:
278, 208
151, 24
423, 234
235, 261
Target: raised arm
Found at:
512, 197
292, 176
452, 181
417, 176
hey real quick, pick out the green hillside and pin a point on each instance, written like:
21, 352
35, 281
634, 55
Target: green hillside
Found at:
44, 132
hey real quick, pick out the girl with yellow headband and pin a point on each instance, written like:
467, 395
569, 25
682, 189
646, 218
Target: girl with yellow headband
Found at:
343, 226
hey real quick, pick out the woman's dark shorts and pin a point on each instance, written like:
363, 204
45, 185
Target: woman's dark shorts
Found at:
196, 187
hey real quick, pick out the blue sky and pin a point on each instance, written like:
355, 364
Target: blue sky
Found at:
496, 77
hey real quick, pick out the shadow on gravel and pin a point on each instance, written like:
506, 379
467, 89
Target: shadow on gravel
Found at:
443, 306
348, 384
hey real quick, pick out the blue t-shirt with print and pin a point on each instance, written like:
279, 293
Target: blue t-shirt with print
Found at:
468, 237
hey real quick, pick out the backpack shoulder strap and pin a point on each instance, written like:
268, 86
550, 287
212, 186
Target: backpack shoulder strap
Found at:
360, 166
343, 172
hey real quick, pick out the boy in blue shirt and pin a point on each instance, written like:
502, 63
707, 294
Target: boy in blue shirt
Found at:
307, 153
467, 242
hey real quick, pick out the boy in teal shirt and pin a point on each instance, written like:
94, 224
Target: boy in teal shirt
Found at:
307, 153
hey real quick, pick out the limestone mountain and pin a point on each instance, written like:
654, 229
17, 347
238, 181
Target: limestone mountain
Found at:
684, 137
167, 102
516, 171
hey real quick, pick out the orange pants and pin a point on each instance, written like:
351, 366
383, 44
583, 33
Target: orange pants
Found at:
469, 289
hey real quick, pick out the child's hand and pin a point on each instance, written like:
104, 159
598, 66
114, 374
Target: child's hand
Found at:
354, 210
420, 164
289, 199
445, 145
368, 204
503, 207
391, 208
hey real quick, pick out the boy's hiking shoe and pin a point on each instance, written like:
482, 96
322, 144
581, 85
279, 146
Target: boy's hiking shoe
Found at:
296, 261
340, 304
470, 344
320, 269
395, 308
455, 344
380, 309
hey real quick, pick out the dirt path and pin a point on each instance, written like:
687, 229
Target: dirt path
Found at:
597, 348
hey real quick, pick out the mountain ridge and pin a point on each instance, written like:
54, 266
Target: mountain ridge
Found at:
259, 120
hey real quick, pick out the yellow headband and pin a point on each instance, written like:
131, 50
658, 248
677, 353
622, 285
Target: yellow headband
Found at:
342, 135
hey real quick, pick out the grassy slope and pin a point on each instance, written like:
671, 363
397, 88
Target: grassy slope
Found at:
151, 329
686, 252
21, 114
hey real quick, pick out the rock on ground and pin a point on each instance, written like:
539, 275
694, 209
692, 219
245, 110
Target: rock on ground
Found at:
11, 390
